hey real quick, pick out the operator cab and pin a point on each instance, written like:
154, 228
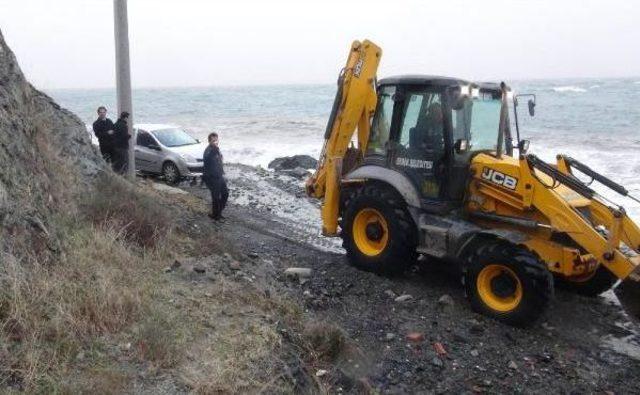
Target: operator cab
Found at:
428, 128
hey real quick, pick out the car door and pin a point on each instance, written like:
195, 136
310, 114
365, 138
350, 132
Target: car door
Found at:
148, 153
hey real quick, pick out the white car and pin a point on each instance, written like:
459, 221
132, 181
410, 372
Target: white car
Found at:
169, 151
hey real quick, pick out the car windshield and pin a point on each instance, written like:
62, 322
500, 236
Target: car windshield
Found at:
174, 137
478, 121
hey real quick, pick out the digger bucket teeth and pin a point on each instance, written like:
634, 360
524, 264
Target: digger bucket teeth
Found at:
628, 293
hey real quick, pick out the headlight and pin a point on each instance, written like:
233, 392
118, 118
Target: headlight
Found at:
188, 157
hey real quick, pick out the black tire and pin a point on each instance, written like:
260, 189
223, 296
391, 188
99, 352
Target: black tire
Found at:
399, 251
170, 173
601, 281
522, 287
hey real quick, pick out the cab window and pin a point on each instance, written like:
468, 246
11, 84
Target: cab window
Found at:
422, 127
381, 125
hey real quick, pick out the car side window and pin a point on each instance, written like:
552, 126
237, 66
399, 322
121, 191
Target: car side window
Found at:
145, 139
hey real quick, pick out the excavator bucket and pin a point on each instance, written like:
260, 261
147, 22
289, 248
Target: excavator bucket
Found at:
628, 293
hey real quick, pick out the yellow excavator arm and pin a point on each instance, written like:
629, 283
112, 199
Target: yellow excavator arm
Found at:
353, 107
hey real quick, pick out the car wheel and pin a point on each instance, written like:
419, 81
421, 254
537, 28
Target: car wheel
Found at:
171, 173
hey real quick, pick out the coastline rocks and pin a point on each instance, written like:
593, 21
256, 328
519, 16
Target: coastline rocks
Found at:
296, 166
293, 162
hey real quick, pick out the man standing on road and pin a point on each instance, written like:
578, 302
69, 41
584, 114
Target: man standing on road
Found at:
103, 129
121, 143
213, 177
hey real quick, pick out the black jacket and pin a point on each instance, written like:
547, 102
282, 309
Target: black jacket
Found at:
121, 134
212, 163
100, 128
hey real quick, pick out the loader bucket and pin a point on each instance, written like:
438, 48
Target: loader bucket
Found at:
628, 293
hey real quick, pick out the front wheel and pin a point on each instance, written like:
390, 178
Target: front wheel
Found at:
377, 231
170, 173
508, 283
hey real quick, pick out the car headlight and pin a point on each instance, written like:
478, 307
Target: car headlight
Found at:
188, 157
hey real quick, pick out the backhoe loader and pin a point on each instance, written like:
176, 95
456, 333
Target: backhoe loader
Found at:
425, 165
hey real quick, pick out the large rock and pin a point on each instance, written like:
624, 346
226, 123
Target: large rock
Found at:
293, 162
45, 152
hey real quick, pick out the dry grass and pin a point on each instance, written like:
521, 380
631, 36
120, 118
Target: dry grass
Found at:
103, 312
327, 341
50, 313
135, 213
102, 284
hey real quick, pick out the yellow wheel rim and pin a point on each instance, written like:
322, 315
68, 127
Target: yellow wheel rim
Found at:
499, 288
370, 232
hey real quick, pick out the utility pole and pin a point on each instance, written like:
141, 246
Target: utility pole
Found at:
123, 76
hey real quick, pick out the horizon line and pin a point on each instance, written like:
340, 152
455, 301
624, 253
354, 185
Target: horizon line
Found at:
274, 84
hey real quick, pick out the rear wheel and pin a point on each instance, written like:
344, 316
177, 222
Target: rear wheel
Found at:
377, 231
171, 173
591, 284
508, 283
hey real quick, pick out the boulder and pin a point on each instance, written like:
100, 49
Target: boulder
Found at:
293, 162
298, 172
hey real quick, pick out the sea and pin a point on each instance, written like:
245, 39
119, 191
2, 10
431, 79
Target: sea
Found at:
596, 121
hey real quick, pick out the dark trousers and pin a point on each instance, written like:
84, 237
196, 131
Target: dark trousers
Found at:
120, 160
219, 195
107, 151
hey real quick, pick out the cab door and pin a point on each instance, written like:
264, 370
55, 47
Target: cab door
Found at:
419, 141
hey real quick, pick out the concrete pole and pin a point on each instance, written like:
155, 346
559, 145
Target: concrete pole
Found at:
123, 75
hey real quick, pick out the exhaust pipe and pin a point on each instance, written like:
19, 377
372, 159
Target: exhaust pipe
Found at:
628, 293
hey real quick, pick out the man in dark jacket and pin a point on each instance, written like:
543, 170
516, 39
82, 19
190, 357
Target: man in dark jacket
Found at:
121, 138
213, 177
103, 129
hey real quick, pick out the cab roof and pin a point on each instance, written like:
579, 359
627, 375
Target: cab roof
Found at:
435, 80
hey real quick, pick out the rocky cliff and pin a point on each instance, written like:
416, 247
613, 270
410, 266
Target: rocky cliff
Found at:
46, 156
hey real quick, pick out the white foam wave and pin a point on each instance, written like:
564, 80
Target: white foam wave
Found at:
569, 88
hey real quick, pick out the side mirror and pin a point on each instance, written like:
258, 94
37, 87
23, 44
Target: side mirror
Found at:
154, 147
523, 146
198, 140
461, 146
532, 107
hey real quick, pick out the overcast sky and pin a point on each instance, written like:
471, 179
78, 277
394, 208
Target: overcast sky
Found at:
69, 43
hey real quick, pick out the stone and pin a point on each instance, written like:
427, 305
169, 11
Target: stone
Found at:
403, 298
389, 336
445, 301
167, 269
512, 365
321, 372
234, 265
390, 294
292, 162
475, 326
439, 349
298, 272
474, 353
199, 269
415, 337
437, 362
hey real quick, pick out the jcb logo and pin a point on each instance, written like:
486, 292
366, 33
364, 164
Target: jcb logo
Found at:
499, 178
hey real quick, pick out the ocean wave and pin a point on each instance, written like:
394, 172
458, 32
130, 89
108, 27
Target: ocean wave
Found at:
569, 88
